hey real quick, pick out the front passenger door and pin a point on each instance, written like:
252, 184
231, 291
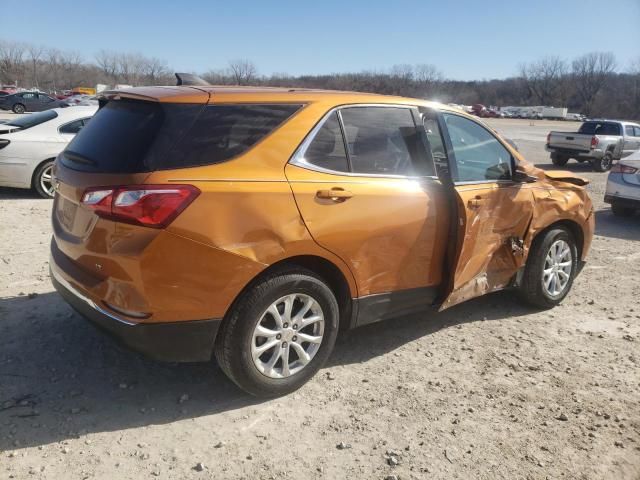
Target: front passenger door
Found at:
493, 211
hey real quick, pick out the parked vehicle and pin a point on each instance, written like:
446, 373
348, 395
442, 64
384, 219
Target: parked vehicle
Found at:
90, 91
29, 144
256, 222
600, 142
30, 102
623, 186
576, 117
553, 113
85, 100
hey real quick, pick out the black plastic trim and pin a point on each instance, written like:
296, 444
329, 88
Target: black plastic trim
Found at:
187, 341
382, 306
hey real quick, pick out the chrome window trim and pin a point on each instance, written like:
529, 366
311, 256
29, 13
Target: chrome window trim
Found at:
484, 182
298, 160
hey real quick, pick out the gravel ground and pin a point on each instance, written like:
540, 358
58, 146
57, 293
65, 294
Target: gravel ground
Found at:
489, 389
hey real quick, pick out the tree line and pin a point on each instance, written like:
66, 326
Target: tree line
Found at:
593, 84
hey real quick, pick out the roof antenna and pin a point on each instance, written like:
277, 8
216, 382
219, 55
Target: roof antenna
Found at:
189, 79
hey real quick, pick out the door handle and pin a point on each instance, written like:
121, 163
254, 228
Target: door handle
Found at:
476, 202
335, 194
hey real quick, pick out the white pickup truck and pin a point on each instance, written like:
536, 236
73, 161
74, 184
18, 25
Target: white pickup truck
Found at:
599, 142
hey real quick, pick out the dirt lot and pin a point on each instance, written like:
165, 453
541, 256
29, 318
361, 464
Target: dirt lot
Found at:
488, 389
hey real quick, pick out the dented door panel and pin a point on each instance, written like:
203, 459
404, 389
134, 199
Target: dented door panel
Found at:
494, 221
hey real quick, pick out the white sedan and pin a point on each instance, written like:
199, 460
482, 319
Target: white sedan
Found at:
30, 144
623, 186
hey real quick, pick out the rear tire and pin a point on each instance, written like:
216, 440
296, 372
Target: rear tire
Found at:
535, 288
240, 336
43, 180
620, 211
559, 160
19, 108
603, 164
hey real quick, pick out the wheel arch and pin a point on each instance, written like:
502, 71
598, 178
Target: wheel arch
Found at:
323, 268
36, 168
572, 226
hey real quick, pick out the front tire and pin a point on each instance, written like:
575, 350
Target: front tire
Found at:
43, 180
603, 164
551, 268
279, 333
19, 108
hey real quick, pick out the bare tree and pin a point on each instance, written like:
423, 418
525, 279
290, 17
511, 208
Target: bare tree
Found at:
590, 74
155, 70
35, 54
544, 79
72, 67
53, 58
427, 77
11, 61
244, 72
107, 62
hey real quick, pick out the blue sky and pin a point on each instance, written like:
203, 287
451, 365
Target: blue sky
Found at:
465, 39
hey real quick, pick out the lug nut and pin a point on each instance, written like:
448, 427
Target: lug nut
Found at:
284, 344
285, 325
278, 336
294, 338
295, 326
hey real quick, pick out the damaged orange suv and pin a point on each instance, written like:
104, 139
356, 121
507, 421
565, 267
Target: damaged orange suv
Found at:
254, 223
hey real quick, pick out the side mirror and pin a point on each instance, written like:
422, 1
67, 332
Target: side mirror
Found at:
522, 177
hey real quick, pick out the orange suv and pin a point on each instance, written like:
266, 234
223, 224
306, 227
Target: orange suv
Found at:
254, 223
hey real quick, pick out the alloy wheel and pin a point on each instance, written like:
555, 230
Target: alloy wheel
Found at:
287, 336
46, 180
557, 268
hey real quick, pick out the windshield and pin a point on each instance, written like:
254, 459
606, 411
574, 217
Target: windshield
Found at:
33, 119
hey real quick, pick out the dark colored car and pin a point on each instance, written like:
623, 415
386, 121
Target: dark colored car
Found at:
30, 102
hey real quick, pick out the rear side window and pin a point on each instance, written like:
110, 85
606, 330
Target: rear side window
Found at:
637, 131
73, 127
326, 150
225, 131
628, 130
128, 136
384, 141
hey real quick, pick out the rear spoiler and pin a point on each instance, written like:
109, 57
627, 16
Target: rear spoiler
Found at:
189, 79
565, 176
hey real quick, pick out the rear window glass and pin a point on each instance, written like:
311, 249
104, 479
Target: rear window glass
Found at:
127, 136
33, 119
600, 128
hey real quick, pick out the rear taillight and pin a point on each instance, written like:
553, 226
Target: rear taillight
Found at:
548, 138
617, 168
4, 142
153, 206
594, 141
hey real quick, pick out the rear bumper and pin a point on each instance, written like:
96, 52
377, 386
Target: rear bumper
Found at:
184, 341
577, 154
622, 201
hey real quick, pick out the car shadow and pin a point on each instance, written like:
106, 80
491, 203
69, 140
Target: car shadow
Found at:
624, 228
61, 378
7, 193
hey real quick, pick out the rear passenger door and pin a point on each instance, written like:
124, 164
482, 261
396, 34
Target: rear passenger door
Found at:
367, 192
